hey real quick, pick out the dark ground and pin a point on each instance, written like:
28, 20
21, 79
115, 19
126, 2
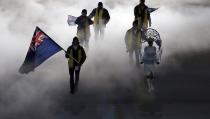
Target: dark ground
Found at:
181, 92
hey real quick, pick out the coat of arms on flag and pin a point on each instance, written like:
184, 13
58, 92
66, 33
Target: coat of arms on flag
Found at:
41, 48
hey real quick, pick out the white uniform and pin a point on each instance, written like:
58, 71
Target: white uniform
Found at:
149, 59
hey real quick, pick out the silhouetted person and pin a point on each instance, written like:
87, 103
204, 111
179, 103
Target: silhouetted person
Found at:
76, 57
133, 43
142, 14
101, 18
83, 29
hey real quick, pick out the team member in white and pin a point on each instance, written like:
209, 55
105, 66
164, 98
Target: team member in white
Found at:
150, 58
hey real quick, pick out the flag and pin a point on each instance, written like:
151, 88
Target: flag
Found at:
71, 20
41, 48
151, 9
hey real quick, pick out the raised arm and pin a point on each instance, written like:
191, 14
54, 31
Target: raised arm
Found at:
92, 14
77, 21
149, 18
90, 22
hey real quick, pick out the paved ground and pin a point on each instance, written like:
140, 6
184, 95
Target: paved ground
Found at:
182, 92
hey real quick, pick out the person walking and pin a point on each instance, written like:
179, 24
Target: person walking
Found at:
133, 43
101, 18
83, 29
142, 14
76, 57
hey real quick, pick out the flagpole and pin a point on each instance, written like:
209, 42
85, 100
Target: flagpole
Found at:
71, 56
60, 46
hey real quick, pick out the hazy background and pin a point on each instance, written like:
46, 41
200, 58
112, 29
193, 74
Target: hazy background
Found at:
183, 25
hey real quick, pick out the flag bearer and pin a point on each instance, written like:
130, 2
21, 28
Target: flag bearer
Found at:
83, 29
76, 57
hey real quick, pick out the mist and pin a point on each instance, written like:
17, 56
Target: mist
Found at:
183, 25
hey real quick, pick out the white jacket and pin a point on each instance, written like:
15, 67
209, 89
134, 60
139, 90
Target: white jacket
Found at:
150, 55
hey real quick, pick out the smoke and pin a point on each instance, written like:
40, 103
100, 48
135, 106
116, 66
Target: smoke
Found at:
183, 26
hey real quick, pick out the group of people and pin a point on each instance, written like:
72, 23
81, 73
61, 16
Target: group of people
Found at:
101, 18
76, 54
134, 39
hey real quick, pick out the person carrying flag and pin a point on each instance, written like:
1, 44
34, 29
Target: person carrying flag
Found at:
142, 14
101, 18
42, 47
76, 57
83, 29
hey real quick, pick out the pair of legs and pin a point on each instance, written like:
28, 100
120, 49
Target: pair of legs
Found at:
99, 30
74, 78
137, 55
149, 80
84, 37
149, 76
84, 42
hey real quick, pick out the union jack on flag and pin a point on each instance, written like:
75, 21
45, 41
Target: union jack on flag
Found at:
37, 39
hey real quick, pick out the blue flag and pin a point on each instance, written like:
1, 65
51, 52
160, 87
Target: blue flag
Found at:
41, 48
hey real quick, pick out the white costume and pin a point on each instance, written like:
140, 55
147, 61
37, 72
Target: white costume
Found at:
149, 59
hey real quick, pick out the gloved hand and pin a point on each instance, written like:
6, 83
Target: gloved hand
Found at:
158, 62
141, 62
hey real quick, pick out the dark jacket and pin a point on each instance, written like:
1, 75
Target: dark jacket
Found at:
140, 13
83, 22
105, 16
76, 55
132, 39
